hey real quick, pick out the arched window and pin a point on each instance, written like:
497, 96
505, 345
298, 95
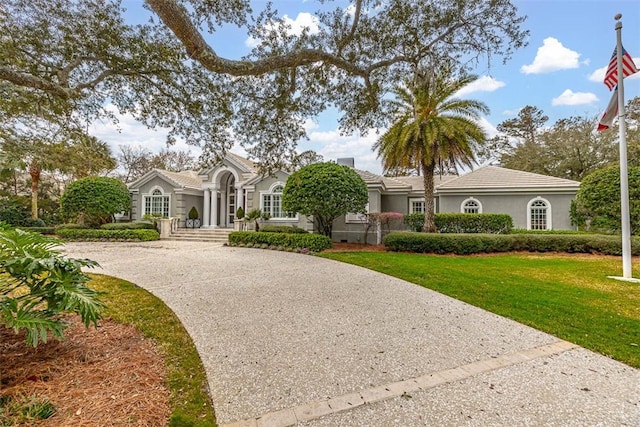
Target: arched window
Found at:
272, 203
539, 214
471, 206
156, 203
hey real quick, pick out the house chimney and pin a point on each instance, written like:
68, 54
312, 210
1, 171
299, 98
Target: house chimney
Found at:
346, 161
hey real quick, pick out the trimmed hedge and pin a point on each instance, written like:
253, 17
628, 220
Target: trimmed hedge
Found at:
93, 234
312, 242
463, 223
525, 231
282, 229
138, 225
71, 225
463, 244
41, 230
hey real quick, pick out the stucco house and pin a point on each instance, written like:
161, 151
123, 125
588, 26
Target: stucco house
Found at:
534, 201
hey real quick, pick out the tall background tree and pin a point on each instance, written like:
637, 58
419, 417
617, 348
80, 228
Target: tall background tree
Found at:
40, 158
135, 161
165, 73
570, 148
432, 129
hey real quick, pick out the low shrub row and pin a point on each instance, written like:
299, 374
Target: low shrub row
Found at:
463, 223
41, 230
463, 244
93, 234
525, 231
282, 229
312, 242
136, 225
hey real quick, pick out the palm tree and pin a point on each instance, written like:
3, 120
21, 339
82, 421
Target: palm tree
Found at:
432, 130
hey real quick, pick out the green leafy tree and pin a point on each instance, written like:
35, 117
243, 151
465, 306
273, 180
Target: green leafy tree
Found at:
50, 155
165, 73
94, 200
38, 284
572, 150
518, 143
568, 149
432, 130
325, 191
597, 204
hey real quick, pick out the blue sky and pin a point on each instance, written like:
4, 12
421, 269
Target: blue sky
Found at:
560, 71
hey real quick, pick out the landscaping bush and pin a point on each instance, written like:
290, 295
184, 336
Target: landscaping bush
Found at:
137, 225
94, 200
38, 284
414, 221
74, 226
308, 241
525, 231
282, 229
463, 244
463, 223
41, 230
92, 234
473, 223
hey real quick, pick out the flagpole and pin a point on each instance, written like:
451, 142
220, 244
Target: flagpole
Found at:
624, 179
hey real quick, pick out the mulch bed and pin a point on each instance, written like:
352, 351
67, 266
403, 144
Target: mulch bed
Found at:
355, 247
109, 376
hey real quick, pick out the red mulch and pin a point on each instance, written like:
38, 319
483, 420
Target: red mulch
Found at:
110, 376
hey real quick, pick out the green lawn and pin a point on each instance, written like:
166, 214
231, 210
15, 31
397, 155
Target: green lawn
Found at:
187, 382
567, 296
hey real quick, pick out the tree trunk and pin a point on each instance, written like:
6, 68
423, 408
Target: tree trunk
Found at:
429, 207
323, 225
34, 171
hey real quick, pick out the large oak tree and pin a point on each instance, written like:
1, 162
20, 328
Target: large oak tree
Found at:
73, 58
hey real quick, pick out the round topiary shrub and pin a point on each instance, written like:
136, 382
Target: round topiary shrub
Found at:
94, 200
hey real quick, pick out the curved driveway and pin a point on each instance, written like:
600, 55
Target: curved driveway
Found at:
294, 339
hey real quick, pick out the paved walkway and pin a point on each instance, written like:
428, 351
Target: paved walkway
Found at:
290, 339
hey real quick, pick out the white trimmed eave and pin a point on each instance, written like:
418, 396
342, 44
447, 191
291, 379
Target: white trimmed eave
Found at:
149, 176
256, 179
189, 191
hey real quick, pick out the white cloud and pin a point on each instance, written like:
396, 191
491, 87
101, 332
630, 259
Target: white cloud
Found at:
552, 56
488, 127
295, 27
568, 97
598, 74
128, 131
483, 84
331, 145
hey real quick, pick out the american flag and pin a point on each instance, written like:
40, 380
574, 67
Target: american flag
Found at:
628, 68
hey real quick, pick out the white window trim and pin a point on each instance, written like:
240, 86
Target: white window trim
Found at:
471, 199
269, 192
150, 194
412, 200
549, 216
357, 218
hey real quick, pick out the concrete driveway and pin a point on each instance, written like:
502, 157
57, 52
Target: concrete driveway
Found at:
289, 339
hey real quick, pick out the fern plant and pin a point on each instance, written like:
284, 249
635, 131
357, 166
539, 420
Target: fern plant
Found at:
38, 284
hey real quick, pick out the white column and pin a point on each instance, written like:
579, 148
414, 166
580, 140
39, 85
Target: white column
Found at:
223, 209
207, 208
214, 208
239, 201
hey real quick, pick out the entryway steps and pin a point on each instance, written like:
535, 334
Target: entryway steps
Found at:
214, 235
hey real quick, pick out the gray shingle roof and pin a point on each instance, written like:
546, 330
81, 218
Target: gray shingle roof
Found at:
497, 178
184, 179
